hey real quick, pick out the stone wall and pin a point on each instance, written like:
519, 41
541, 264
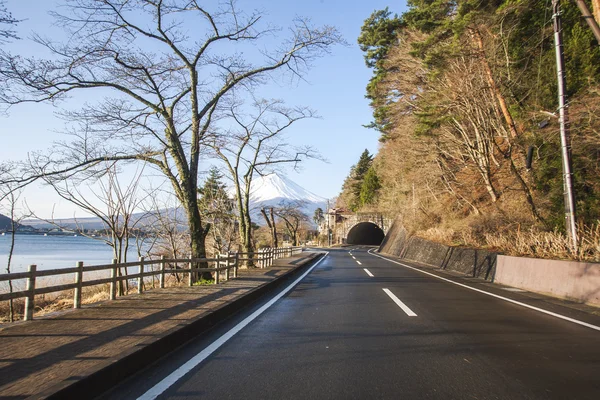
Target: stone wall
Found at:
469, 261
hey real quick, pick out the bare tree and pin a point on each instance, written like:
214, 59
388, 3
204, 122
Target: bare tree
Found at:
292, 215
255, 145
168, 225
270, 219
110, 201
6, 18
168, 85
11, 205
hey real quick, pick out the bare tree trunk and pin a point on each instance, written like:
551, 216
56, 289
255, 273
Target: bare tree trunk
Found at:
198, 232
271, 225
507, 148
476, 36
11, 310
274, 231
596, 10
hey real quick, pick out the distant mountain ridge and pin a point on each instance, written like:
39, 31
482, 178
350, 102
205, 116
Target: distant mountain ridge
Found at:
266, 191
5, 223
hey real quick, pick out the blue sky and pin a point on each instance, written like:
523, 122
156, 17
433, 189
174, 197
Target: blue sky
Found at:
335, 87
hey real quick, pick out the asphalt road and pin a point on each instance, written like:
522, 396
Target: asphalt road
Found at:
339, 335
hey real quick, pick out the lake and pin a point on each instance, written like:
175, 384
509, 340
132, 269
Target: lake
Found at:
49, 252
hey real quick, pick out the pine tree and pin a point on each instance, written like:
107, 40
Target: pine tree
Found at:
214, 203
361, 168
369, 187
378, 35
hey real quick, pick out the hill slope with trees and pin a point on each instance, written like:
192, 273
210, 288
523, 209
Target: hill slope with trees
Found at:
464, 96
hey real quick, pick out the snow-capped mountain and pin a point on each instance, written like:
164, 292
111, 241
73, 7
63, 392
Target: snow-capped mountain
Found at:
271, 190
277, 187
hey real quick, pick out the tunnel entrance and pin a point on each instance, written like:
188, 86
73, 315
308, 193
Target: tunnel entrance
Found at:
365, 233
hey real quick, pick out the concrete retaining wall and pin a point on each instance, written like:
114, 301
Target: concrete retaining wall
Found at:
571, 280
473, 262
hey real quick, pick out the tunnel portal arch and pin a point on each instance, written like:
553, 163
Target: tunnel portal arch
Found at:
366, 233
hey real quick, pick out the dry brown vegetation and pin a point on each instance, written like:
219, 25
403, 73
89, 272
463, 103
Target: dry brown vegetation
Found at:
461, 111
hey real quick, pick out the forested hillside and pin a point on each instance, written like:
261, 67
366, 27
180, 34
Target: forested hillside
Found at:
462, 92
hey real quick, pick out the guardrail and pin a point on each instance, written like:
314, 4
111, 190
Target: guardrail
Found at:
226, 263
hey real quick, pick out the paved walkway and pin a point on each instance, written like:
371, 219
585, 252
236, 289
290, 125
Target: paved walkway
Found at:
36, 357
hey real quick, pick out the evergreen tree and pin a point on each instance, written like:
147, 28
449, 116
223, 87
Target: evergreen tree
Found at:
369, 187
318, 216
214, 203
359, 171
363, 165
378, 34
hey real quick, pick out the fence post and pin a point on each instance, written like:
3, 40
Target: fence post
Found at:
79, 283
227, 264
217, 266
140, 283
190, 277
113, 280
237, 264
271, 255
29, 300
162, 272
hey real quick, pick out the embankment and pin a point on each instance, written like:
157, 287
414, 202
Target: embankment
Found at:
571, 280
469, 261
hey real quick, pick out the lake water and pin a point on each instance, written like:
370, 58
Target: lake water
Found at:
49, 252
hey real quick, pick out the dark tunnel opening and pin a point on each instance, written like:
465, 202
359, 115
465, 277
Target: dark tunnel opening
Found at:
365, 233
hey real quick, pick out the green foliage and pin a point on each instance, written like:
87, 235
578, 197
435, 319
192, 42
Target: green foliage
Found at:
378, 34
363, 165
353, 184
318, 216
204, 282
369, 188
518, 48
214, 200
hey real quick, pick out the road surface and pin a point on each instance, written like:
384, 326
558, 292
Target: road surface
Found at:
361, 327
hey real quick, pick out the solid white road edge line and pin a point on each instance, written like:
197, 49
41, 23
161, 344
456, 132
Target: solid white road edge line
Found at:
368, 272
575, 321
358, 262
167, 382
399, 303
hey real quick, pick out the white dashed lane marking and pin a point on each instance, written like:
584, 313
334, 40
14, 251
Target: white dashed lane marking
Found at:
399, 303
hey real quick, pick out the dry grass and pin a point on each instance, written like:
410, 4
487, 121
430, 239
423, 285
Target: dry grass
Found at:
529, 242
550, 245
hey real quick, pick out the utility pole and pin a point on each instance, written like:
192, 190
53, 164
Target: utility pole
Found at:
565, 140
328, 229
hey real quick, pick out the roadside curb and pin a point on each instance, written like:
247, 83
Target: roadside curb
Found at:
116, 370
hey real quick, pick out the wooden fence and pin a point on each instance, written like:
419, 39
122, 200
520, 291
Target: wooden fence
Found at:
222, 263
